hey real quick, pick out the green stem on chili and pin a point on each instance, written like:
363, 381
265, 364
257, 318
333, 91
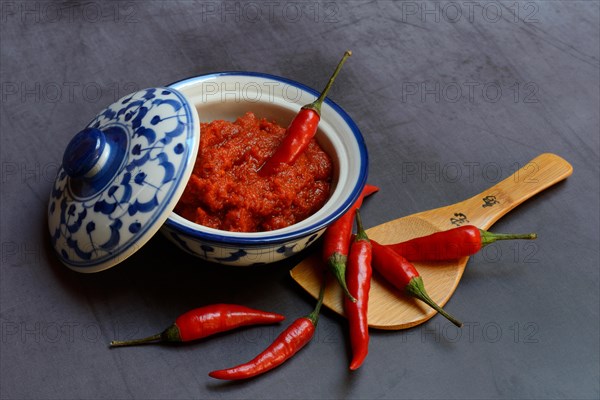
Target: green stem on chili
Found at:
314, 315
416, 288
402, 274
316, 105
489, 237
300, 131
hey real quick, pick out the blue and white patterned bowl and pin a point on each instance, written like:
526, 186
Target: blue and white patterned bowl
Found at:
228, 95
123, 174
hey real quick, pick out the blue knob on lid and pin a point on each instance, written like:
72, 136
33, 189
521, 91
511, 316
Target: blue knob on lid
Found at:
85, 153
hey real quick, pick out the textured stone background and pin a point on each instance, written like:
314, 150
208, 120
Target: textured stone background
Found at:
450, 96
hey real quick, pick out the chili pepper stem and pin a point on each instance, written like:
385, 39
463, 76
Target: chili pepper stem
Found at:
360, 231
171, 334
316, 105
416, 289
489, 237
337, 264
314, 315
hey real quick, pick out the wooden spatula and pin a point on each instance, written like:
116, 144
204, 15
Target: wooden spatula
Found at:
391, 309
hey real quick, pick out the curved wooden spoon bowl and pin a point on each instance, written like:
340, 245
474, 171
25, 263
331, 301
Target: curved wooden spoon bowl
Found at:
391, 309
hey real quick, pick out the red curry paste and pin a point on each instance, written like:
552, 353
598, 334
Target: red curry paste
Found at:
225, 191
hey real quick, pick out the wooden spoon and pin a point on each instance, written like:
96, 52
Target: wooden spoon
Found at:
391, 309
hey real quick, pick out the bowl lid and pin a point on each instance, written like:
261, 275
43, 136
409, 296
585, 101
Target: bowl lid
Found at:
121, 177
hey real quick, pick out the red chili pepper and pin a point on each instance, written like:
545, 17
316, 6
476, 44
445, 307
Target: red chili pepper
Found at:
402, 274
205, 321
300, 131
337, 240
288, 343
451, 244
359, 284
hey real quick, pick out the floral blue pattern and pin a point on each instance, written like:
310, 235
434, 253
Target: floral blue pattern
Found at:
237, 255
96, 222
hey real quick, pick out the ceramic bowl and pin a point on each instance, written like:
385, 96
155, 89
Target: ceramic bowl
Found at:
227, 96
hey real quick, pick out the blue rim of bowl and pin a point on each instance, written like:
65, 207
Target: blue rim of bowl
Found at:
321, 224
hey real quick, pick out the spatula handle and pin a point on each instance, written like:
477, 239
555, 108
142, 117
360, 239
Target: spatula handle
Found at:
487, 207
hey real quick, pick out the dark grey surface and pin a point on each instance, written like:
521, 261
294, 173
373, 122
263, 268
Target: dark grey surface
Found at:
528, 73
